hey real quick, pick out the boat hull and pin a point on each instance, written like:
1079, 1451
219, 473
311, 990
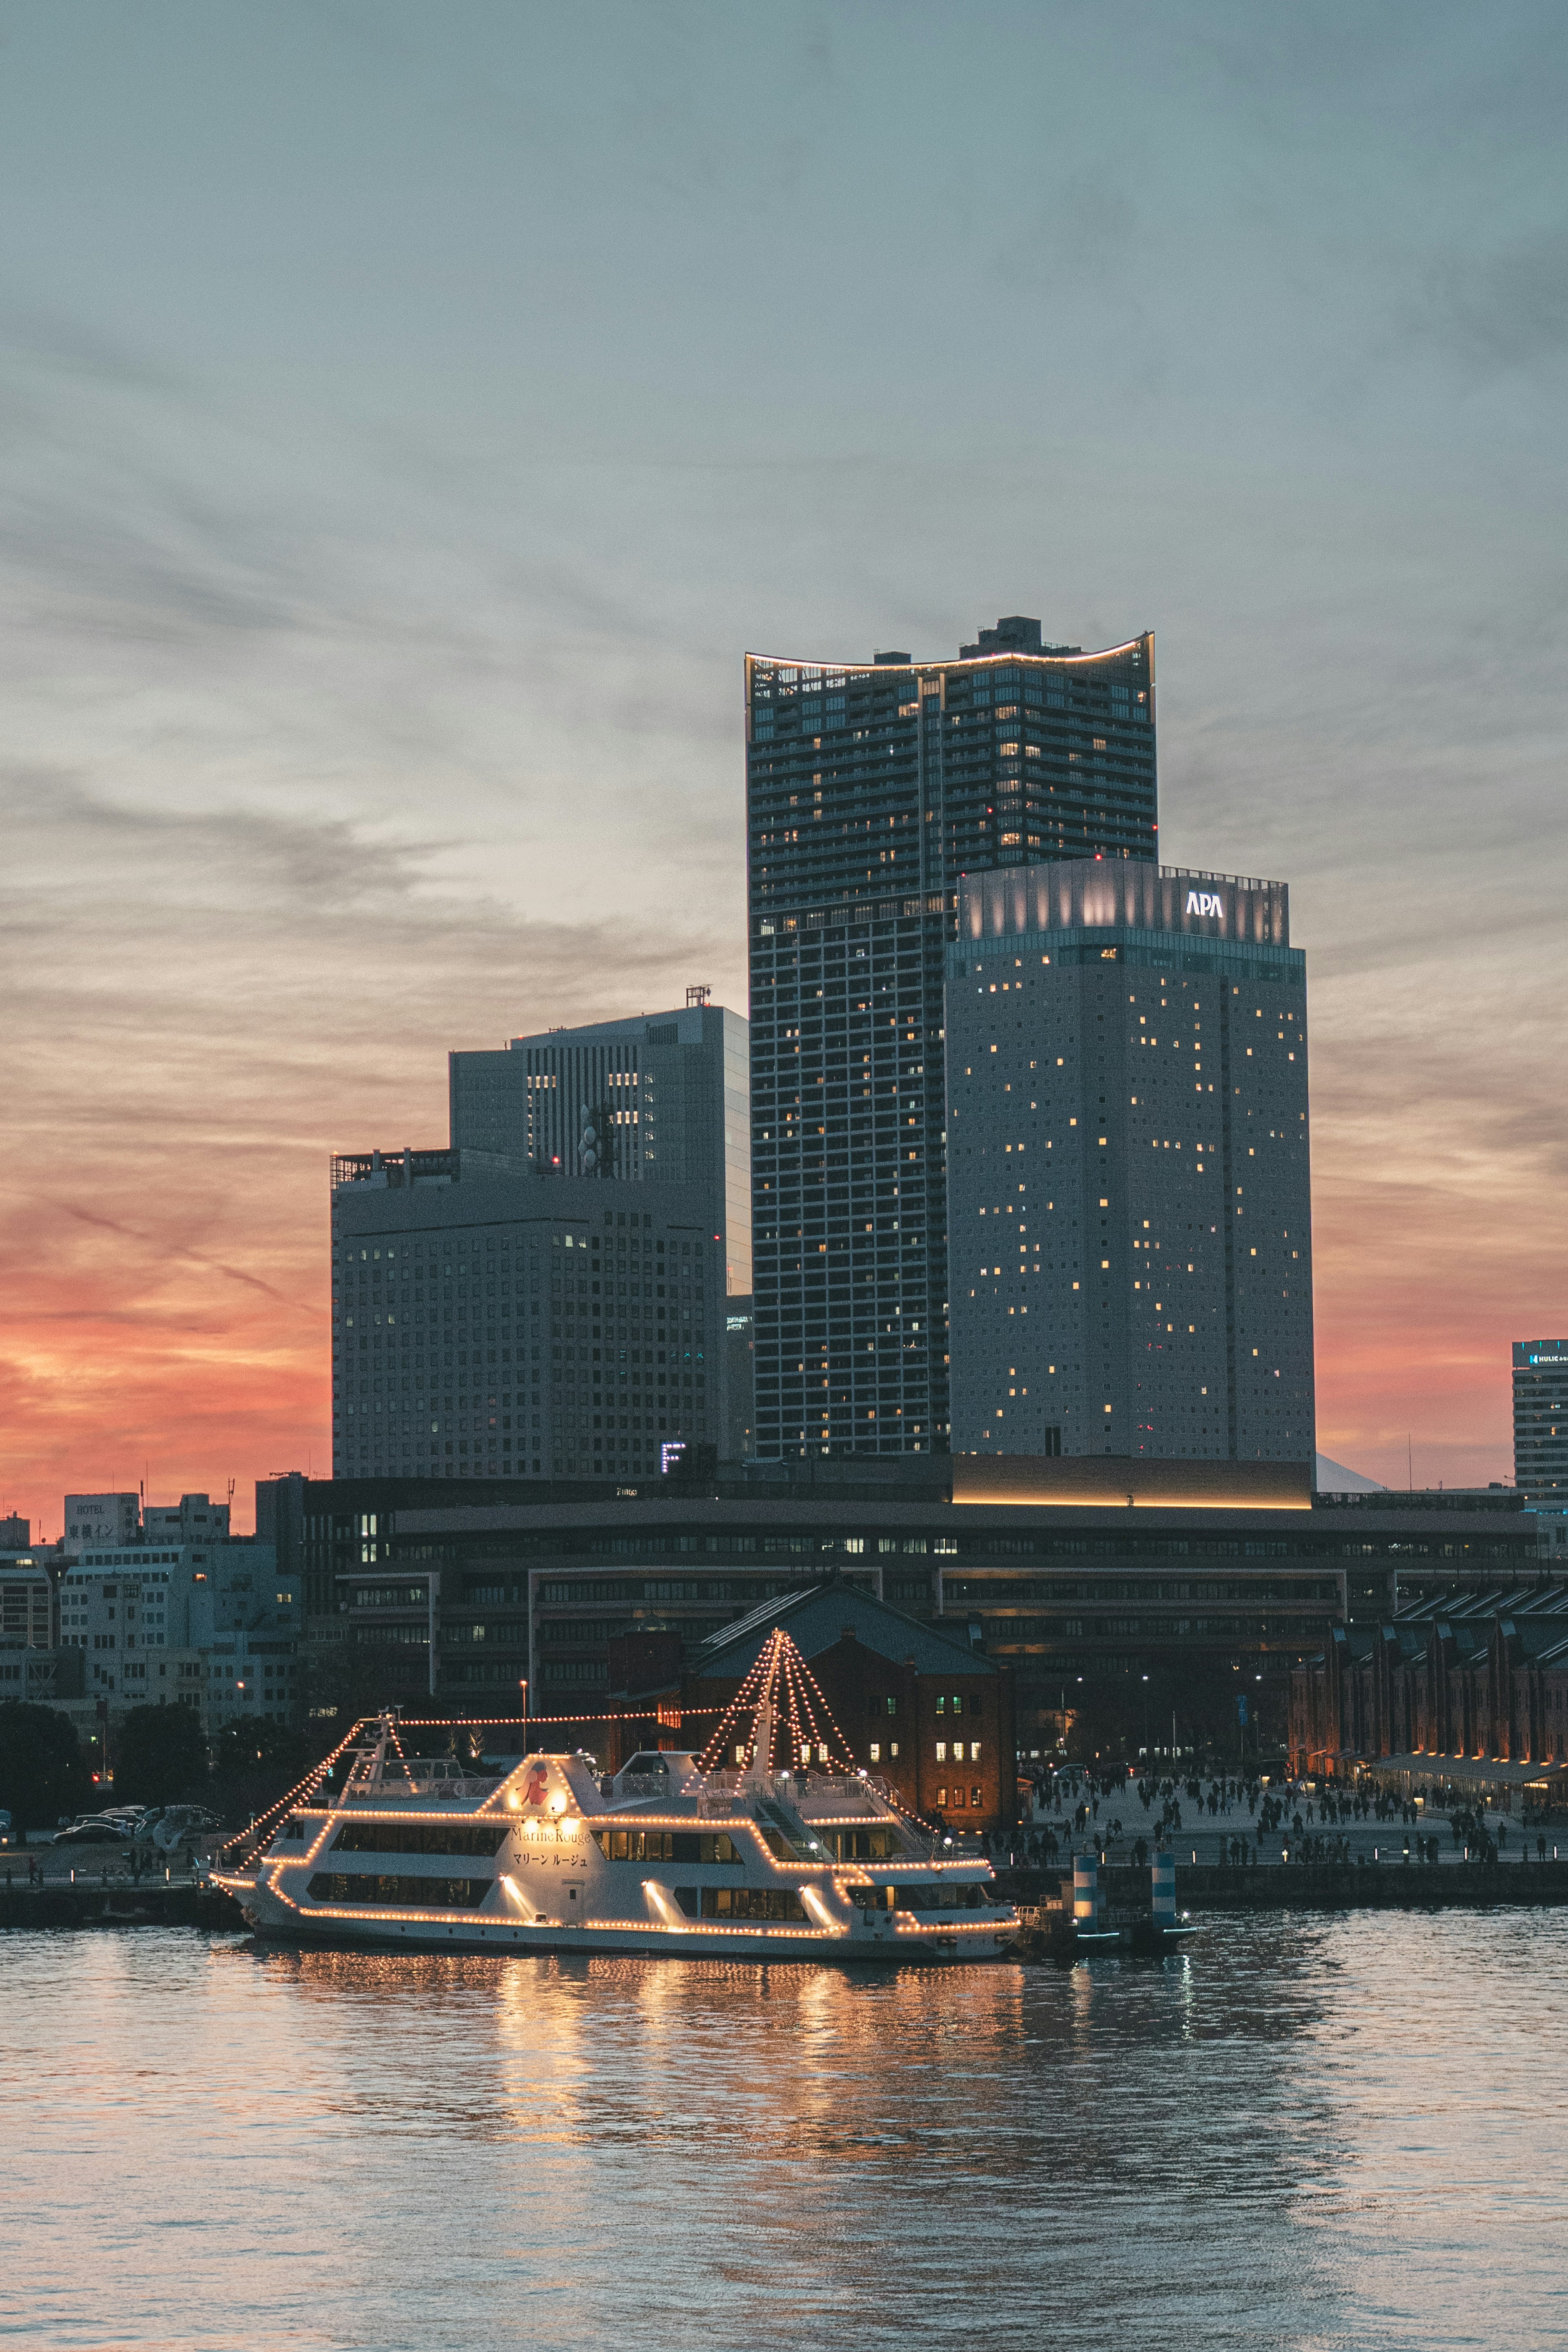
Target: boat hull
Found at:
900, 1948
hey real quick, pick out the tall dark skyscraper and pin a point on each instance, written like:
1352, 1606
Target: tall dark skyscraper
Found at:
871, 788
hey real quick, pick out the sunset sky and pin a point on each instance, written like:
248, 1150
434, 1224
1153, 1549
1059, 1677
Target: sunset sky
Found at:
411, 415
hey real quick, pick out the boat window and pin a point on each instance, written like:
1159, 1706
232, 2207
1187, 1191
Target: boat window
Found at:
948, 1897
666, 1845
421, 1837
864, 1845
418, 1894
740, 1903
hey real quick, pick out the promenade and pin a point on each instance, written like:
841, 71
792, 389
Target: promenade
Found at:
1329, 1831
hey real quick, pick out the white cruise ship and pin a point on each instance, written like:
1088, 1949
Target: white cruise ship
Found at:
747, 1852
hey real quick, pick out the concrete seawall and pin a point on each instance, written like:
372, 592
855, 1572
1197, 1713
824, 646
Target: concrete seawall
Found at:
1314, 1886
150, 1905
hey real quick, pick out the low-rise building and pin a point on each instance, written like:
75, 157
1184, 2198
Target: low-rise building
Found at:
1100, 1584
930, 1715
1462, 1679
211, 1624
26, 1601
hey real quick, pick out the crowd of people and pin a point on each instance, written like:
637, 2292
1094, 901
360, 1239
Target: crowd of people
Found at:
1077, 1811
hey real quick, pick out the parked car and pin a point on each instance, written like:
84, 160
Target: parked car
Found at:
92, 1834
183, 1824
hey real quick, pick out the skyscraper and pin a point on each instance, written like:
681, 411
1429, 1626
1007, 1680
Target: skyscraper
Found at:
871, 788
551, 1296
660, 1098
488, 1325
1129, 1179
1541, 1422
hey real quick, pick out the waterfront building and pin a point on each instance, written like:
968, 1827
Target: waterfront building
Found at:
1129, 1182
1541, 1422
212, 1625
924, 1711
1219, 1571
871, 788
493, 1325
1461, 1687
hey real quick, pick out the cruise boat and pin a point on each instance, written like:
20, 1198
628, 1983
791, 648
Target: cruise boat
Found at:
760, 1847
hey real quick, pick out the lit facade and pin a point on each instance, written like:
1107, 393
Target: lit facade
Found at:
1128, 1171
871, 788
538, 1589
1541, 1422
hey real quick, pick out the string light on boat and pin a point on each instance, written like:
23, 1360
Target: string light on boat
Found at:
297, 1795
781, 1682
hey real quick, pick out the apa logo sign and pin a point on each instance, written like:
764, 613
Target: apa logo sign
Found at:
1204, 902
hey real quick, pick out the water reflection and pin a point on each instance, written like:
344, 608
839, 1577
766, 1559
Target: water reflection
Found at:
1293, 2133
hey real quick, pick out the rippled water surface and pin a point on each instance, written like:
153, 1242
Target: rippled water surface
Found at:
1302, 2133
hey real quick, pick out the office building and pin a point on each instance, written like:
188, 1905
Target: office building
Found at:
194, 1518
495, 1324
871, 788
212, 1625
1129, 1182
15, 1533
663, 1098
1220, 1570
1541, 1423
26, 1604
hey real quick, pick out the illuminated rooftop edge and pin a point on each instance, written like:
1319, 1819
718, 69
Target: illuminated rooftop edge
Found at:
975, 661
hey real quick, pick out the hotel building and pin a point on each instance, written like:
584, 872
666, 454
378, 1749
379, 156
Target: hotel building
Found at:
1129, 1179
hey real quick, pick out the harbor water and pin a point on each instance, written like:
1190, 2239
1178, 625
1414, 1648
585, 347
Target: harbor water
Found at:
1300, 2132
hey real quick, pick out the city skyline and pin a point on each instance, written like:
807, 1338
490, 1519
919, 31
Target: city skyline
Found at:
377, 623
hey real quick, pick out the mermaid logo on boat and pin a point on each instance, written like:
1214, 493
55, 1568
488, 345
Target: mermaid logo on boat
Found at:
538, 1782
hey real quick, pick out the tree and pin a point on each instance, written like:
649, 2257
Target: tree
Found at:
161, 1757
42, 1772
256, 1761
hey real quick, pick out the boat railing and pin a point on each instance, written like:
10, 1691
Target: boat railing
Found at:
839, 1793
647, 1784
378, 1792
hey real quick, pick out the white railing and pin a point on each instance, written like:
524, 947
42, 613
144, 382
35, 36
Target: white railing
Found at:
380, 1793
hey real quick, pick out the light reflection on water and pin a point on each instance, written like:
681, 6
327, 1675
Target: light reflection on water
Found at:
1301, 2132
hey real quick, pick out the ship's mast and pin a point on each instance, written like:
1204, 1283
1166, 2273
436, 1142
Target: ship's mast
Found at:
779, 1702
